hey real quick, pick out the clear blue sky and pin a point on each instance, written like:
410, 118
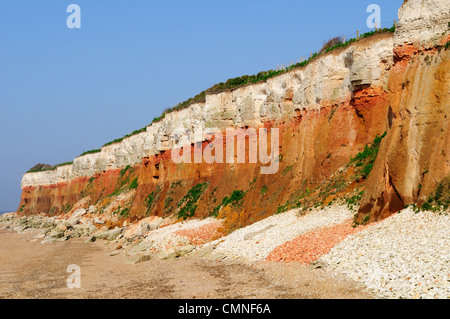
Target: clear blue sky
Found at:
64, 91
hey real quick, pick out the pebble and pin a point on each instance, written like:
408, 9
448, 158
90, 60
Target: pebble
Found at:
404, 256
174, 235
309, 247
254, 242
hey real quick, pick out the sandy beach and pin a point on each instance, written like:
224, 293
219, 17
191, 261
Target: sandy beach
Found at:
29, 269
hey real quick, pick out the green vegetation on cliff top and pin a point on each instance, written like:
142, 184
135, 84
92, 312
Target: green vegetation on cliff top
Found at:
263, 76
90, 152
45, 167
244, 80
241, 81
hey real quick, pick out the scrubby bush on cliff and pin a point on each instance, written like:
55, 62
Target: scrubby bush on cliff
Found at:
263, 189
124, 212
330, 43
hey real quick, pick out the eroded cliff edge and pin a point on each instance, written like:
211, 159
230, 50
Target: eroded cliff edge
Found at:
326, 112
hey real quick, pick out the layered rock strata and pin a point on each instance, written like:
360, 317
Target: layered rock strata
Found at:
325, 112
415, 155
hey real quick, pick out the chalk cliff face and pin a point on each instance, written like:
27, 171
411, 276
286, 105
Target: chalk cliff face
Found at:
422, 22
330, 80
325, 112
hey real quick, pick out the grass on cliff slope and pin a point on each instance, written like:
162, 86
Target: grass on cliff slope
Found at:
123, 182
88, 187
234, 200
134, 184
447, 45
364, 160
439, 200
188, 203
152, 199
346, 186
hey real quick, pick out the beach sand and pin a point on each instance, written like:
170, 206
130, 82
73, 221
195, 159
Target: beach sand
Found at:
29, 269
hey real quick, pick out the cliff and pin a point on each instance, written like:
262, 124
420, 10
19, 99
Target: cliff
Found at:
414, 156
325, 113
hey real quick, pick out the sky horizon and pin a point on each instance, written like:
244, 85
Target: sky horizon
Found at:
66, 91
